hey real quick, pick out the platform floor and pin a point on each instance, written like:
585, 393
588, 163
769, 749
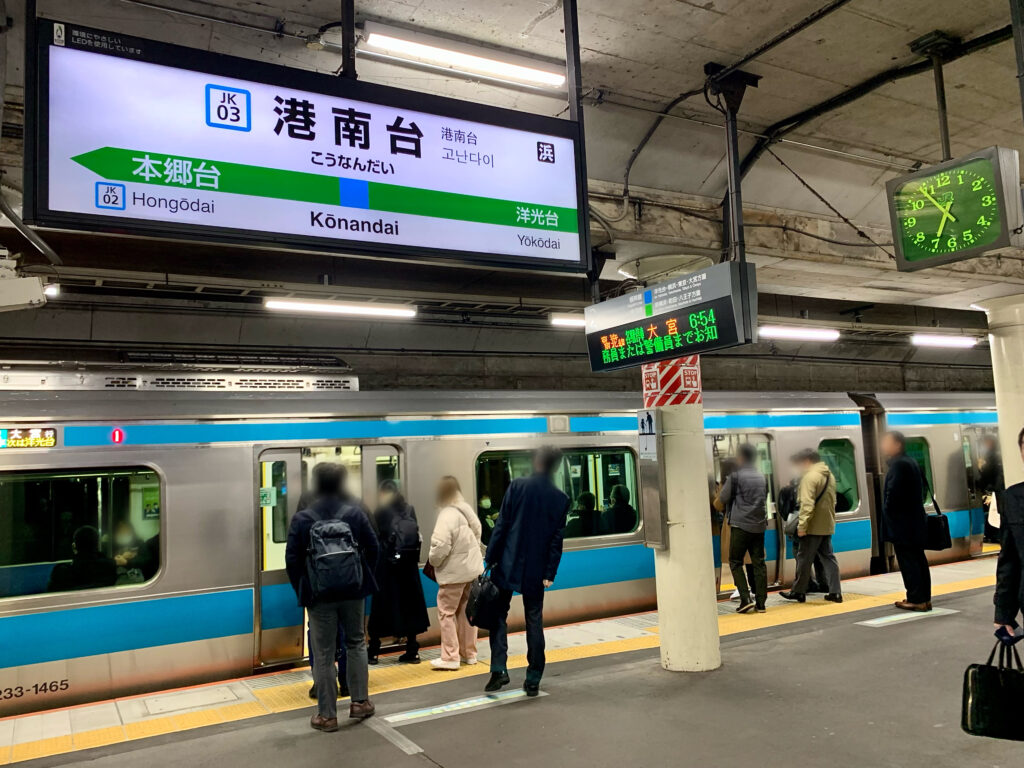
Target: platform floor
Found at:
854, 684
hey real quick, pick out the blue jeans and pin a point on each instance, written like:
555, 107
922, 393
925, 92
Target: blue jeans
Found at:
533, 605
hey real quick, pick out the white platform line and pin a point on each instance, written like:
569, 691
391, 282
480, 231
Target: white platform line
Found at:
386, 730
455, 707
900, 618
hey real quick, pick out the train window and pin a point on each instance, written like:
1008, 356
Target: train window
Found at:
74, 529
724, 449
600, 482
841, 458
917, 449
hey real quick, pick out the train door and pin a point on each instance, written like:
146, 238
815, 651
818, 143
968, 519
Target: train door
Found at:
723, 449
970, 437
284, 474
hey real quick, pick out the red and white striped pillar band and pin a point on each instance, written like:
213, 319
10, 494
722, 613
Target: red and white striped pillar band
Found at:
673, 382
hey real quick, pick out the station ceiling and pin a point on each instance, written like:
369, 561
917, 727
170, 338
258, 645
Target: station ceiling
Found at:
638, 57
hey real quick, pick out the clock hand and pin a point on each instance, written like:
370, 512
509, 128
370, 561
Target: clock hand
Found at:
945, 215
945, 211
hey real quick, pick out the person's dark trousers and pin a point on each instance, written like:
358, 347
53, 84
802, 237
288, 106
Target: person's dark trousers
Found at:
324, 619
917, 578
742, 543
808, 548
339, 654
412, 647
533, 606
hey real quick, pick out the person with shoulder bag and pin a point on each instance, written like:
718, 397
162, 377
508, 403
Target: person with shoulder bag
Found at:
816, 522
905, 521
456, 553
330, 556
1009, 595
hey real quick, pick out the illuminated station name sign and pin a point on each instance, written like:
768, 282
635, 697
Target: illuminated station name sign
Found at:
28, 437
695, 313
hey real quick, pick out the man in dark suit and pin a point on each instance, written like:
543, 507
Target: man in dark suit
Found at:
905, 523
524, 552
1009, 597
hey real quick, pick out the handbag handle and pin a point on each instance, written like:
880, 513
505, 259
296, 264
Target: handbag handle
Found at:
1009, 658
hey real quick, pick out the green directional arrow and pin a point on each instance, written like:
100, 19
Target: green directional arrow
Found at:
174, 172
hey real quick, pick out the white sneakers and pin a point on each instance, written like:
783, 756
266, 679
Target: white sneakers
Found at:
469, 661
445, 665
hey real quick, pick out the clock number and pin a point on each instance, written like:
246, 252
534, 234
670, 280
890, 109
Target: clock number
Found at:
960, 177
917, 205
910, 222
976, 185
968, 236
927, 189
942, 180
982, 221
935, 243
987, 200
951, 242
919, 237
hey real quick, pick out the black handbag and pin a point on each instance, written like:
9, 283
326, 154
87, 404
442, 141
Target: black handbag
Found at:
937, 536
483, 609
993, 696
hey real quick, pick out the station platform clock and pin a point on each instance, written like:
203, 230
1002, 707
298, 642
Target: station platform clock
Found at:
957, 209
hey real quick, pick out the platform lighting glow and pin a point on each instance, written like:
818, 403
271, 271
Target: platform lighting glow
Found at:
568, 320
940, 340
326, 307
51, 290
413, 46
626, 274
796, 333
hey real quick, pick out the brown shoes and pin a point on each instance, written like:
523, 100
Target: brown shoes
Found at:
325, 724
360, 710
905, 605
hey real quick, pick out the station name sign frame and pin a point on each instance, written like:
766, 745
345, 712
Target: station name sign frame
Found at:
132, 136
698, 312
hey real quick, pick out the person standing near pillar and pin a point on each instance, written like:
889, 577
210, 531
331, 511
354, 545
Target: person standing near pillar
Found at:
1009, 597
905, 523
743, 499
815, 526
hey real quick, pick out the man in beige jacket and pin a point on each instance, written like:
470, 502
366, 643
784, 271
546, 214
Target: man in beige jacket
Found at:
817, 523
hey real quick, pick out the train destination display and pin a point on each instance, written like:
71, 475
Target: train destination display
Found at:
132, 140
956, 210
694, 313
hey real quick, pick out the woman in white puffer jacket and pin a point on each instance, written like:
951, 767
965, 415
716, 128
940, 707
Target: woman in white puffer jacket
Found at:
457, 556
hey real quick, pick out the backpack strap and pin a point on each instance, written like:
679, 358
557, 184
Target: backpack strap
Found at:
828, 476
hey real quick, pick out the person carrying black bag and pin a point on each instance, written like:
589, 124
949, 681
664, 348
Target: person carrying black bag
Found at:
524, 552
905, 522
1009, 596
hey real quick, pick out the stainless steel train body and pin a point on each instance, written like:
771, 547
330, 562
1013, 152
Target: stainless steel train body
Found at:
226, 469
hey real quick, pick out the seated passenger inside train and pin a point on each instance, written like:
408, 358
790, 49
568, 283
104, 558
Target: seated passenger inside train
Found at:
619, 516
582, 517
88, 569
131, 554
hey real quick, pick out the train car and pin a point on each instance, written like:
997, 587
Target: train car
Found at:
188, 481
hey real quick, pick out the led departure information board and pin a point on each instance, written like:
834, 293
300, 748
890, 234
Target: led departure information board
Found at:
695, 313
28, 437
956, 210
140, 137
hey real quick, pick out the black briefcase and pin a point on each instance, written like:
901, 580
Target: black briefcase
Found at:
993, 696
938, 536
483, 609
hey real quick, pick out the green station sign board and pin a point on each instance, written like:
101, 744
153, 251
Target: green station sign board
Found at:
698, 312
956, 210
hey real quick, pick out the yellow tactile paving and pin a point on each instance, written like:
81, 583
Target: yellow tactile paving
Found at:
989, 549
386, 678
100, 737
30, 750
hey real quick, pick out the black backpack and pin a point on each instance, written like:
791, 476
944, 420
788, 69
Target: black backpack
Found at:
405, 531
334, 560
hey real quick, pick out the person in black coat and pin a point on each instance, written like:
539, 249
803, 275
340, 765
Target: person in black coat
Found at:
524, 552
905, 523
325, 616
989, 480
398, 608
1009, 597
88, 569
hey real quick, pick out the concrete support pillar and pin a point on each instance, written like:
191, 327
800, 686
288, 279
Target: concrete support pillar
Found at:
685, 571
1006, 337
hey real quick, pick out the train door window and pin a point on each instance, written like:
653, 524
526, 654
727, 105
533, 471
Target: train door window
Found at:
601, 484
75, 529
381, 463
917, 449
841, 458
724, 449
349, 456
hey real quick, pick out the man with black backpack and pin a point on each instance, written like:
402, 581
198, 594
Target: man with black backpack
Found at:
330, 556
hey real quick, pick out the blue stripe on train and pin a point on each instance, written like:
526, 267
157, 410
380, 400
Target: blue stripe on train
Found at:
723, 421
850, 536
279, 607
928, 418
35, 638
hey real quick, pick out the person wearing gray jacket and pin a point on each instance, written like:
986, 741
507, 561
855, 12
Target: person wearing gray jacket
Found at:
744, 499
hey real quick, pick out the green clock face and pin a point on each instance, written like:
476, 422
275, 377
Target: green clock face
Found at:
949, 211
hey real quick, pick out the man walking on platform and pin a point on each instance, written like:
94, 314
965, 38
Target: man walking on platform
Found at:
905, 523
524, 552
816, 524
743, 498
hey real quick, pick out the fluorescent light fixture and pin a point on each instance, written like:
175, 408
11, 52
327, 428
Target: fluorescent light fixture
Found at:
568, 320
327, 307
422, 48
625, 274
940, 340
797, 333
52, 289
